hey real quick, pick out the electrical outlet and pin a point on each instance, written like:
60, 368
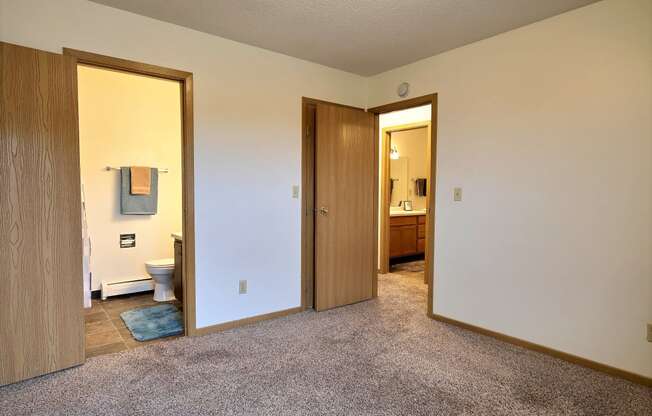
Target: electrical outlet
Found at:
457, 194
242, 287
649, 332
295, 191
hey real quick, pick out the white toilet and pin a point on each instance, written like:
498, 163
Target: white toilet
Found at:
162, 271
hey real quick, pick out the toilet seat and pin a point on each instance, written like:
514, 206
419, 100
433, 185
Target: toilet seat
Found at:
160, 264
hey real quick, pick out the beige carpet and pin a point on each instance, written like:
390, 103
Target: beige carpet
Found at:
382, 357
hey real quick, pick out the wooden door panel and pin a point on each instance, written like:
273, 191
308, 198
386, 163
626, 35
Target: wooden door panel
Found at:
345, 237
41, 315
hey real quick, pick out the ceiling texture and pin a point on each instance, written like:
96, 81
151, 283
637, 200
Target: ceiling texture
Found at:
365, 37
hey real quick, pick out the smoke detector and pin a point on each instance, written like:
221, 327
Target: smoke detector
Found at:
403, 89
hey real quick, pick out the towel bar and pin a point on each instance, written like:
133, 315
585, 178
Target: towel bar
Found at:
161, 170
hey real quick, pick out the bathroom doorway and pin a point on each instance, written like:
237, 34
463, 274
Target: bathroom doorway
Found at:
135, 123
42, 259
404, 177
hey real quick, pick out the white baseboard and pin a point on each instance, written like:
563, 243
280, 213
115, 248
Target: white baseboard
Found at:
126, 286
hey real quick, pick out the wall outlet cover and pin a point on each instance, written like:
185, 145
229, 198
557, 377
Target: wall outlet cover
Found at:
127, 240
295, 191
242, 288
457, 194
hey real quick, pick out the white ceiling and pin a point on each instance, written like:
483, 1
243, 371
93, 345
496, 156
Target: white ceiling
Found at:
360, 36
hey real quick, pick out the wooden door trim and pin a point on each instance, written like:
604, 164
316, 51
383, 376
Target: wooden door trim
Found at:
432, 154
308, 115
384, 189
307, 205
187, 162
110, 62
314, 101
405, 104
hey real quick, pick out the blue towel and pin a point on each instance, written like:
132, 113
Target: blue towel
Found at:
137, 204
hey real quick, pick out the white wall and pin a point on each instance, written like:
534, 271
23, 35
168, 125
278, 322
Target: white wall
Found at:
128, 120
548, 130
247, 140
407, 116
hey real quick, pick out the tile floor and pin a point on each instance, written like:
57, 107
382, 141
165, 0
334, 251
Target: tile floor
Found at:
105, 331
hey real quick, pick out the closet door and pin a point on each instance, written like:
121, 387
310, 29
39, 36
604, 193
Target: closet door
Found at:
41, 311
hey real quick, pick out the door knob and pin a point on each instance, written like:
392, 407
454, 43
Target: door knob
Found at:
323, 211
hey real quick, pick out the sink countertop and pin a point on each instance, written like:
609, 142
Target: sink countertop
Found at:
177, 236
402, 213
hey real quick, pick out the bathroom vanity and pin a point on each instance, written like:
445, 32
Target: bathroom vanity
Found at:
407, 233
178, 265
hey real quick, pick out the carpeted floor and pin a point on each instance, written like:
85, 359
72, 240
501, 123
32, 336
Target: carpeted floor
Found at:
408, 267
382, 357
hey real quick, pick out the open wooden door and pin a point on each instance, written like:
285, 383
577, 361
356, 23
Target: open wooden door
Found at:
345, 221
41, 310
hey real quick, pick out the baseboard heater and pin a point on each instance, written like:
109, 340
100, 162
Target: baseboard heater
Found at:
123, 287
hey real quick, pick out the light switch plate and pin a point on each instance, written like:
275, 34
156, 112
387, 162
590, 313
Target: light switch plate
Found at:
242, 289
457, 194
295, 191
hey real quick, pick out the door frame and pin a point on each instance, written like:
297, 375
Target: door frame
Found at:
308, 188
187, 163
431, 186
385, 197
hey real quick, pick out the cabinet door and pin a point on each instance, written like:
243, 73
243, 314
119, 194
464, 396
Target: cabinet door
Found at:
402, 240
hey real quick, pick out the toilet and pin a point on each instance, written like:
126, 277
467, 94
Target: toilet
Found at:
162, 271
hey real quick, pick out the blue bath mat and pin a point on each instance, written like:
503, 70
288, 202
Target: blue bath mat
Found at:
153, 322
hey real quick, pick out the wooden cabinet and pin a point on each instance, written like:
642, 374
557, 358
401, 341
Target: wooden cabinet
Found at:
402, 240
178, 269
407, 235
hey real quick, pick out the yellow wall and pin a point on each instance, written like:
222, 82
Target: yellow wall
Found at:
413, 145
125, 120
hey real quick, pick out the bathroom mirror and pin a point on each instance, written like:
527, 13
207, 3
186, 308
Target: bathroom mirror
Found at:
399, 180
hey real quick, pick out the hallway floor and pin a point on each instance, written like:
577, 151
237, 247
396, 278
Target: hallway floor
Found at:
381, 357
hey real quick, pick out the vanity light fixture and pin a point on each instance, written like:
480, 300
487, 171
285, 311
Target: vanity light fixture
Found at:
393, 153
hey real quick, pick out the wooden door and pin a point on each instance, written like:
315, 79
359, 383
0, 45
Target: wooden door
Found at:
345, 230
41, 310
